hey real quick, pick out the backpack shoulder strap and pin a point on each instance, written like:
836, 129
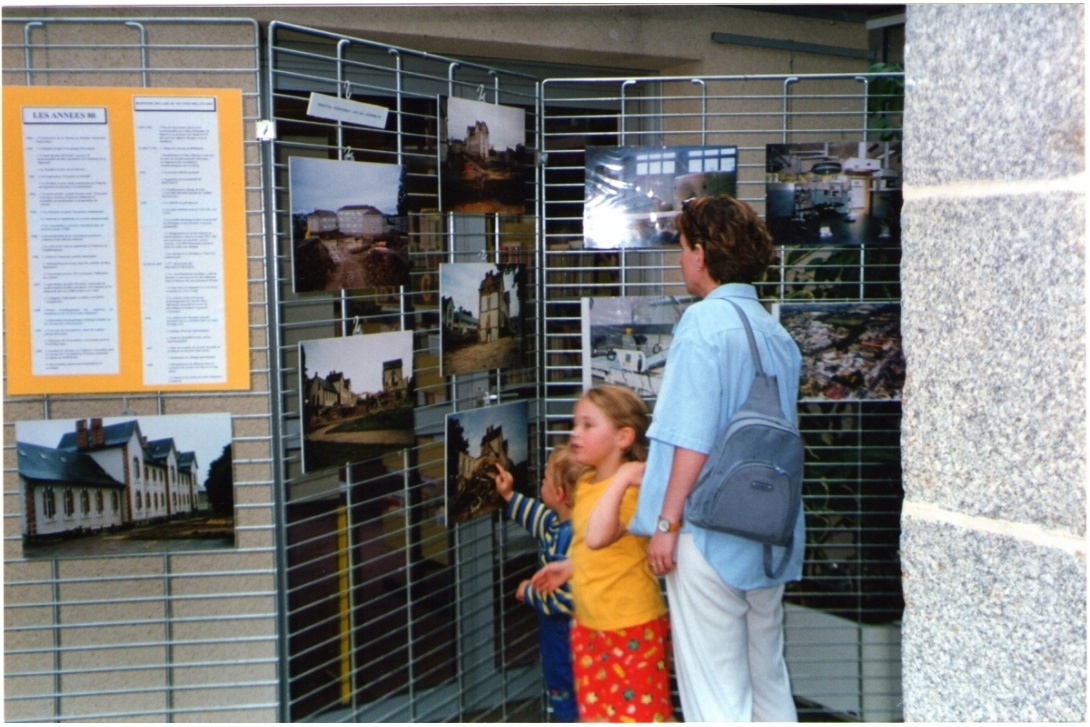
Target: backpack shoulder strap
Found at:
752, 341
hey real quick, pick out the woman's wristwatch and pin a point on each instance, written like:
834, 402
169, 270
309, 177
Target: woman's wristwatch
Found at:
665, 526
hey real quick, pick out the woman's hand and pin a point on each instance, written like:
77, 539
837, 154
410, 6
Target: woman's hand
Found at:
662, 553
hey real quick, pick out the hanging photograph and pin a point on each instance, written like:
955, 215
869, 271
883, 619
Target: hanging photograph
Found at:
487, 163
476, 441
481, 309
348, 227
633, 193
850, 351
136, 484
357, 397
834, 193
625, 340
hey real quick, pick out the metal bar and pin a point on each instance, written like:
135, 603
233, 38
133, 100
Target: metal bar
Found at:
793, 46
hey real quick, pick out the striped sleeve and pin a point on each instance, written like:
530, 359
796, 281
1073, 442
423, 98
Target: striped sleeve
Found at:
532, 515
552, 604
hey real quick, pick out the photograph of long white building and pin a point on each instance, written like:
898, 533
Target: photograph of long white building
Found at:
102, 476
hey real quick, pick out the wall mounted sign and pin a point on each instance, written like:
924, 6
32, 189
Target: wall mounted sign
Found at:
124, 240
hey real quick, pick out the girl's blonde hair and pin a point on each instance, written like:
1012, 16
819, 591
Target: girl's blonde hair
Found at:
624, 409
564, 471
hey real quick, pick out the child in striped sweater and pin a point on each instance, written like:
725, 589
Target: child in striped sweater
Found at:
549, 521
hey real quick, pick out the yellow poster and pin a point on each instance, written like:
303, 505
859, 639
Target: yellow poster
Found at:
124, 240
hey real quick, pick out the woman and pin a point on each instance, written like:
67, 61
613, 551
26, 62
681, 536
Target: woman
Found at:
727, 615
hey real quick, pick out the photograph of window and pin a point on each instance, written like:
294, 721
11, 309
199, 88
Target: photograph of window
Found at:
633, 193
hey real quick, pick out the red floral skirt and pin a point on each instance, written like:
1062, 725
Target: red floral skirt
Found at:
624, 675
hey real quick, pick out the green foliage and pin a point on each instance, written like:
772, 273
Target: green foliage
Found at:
886, 102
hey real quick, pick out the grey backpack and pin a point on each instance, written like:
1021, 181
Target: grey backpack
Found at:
751, 483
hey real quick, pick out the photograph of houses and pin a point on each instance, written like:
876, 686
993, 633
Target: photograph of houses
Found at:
137, 484
476, 441
834, 193
626, 339
347, 225
482, 310
487, 166
850, 351
357, 397
633, 193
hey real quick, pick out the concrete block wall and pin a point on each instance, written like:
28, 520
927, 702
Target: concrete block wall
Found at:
994, 315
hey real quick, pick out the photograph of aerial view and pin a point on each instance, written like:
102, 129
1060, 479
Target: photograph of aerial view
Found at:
850, 351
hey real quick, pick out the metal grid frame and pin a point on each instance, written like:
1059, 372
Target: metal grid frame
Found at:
136, 637
852, 491
366, 640
641, 110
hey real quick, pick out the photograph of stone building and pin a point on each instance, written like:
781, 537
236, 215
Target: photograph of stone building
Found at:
476, 441
348, 225
481, 309
487, 162
357, 397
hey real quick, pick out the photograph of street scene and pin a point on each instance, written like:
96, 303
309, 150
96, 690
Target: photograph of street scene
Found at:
850, 351
477, 440
487, 163
834, 193
357, 398
633, 193
118, 485
347, 225
626, 339
481, 309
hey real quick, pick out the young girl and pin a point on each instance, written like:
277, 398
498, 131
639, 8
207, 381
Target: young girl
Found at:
619, 634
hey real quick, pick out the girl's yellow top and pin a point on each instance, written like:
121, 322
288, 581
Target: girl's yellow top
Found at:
613, 587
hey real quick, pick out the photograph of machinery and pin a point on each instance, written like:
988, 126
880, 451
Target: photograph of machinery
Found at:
834, 193
626, 339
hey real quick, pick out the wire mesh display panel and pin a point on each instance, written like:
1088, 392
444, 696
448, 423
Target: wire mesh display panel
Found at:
399, 572
114, 628
835, 281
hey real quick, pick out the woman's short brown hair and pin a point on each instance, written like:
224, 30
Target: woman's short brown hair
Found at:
737, 246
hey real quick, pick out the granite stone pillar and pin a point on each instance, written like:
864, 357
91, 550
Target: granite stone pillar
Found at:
994, 432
